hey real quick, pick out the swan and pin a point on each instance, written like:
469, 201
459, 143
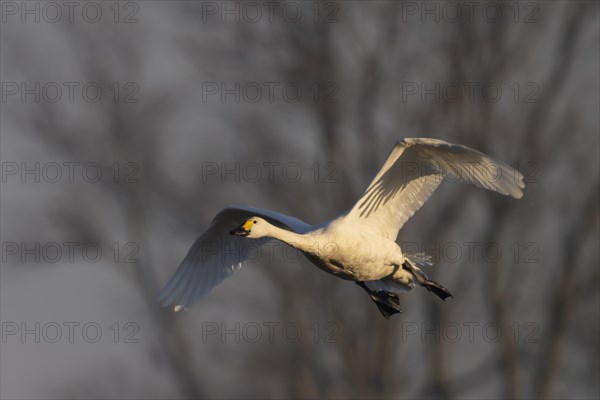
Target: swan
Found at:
358, 245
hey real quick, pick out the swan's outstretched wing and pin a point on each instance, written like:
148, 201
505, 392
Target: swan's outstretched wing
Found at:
216, 254
412, 172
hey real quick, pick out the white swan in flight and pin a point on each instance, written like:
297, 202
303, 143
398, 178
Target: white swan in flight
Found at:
359, 245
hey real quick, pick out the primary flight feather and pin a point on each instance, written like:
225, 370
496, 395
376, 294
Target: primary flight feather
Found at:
358, 245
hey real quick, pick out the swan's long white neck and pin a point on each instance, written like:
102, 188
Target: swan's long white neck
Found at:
296, 240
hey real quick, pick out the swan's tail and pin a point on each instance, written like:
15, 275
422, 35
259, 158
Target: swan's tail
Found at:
419, 259
412, 264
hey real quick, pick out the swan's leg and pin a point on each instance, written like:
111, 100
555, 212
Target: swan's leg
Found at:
428, 284
388, 303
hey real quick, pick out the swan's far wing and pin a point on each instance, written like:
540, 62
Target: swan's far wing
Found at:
216, 254
413, 171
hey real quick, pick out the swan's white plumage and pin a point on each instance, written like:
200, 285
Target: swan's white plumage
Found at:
364, 237
413, 171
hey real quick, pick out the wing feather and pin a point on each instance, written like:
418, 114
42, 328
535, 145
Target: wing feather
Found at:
413, 171
216, 255
388, 285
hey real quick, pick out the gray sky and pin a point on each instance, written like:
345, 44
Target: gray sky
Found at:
187, 97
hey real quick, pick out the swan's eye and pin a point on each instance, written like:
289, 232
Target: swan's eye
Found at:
255, 221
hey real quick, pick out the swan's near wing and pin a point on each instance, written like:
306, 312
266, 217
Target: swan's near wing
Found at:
412, 172
216, 254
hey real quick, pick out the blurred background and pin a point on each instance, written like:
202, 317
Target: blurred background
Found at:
126, 126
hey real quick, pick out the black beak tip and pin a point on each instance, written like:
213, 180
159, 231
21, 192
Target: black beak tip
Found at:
239, 231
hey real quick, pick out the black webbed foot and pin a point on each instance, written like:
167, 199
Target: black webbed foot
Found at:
437, 289
388, 303
430, 285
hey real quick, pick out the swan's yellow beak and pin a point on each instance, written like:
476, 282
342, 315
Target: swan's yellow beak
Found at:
243, 229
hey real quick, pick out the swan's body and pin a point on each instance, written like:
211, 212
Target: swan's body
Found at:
333, 248
359, 245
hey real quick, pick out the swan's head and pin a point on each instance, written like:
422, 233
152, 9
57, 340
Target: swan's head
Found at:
253, 228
